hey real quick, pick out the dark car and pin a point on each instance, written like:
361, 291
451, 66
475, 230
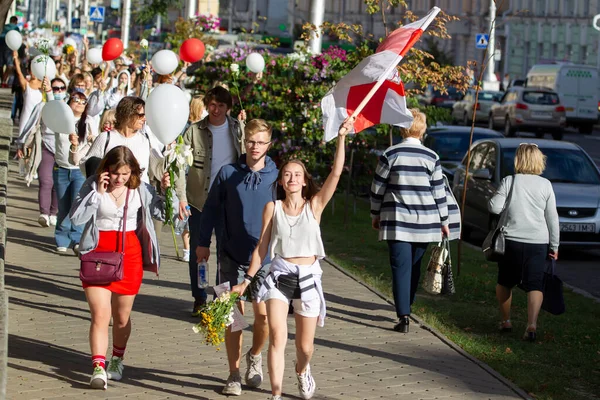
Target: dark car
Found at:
574, 177
432, 97
452, 142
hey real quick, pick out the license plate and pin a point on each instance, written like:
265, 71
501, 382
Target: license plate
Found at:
587, 228
542, 115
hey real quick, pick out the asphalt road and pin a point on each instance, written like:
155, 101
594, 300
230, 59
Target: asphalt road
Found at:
581, 268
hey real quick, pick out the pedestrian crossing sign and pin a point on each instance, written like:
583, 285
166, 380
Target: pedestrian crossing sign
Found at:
481, 40
96, 14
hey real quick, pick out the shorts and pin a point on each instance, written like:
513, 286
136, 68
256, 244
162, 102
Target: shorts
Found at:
309, 309
6, 57
523, 264
233, 272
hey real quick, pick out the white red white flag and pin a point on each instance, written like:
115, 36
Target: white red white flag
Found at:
378, 73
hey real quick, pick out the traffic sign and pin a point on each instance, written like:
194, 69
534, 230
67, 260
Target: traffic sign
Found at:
596, 22
481, 40
96, 14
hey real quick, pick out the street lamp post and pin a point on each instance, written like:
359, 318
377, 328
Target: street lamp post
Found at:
125, 19
490, 82
317, 11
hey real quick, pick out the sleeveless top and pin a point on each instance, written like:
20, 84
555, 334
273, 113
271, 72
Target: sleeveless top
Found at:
298, 236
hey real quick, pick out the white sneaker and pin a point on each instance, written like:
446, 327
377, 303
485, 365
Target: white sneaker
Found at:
52, 219
233, 385
44, 220
254, 373
276, 397
98, 380
306, 384
61, 249
115, 368
186, 255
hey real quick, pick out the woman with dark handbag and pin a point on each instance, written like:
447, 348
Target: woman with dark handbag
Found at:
291, 230
531, 231
109, 204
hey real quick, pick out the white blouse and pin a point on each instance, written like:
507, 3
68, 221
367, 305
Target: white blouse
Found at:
110, 217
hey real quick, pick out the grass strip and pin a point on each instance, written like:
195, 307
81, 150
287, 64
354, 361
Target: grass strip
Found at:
564, 363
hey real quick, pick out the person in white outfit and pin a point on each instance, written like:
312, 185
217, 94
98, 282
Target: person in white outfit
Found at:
291, 231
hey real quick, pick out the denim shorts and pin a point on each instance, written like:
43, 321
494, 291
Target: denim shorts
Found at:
233, 272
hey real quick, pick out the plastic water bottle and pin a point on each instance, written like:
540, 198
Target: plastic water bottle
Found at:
181, 224
203, 274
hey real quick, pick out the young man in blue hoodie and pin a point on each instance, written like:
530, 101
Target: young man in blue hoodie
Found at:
242, 189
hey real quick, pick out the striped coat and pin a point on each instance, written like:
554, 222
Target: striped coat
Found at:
408, 194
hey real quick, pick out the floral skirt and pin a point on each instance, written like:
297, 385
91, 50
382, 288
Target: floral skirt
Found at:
132, 262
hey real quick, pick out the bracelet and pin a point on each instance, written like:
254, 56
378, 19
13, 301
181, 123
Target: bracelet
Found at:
248, 277
247, 281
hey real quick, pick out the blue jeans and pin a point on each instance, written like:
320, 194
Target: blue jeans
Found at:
194, 225
405, 259
67, 183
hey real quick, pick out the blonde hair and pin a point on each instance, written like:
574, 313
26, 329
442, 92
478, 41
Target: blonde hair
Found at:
529, 160
108, 116
257, 125
221, 84
196, 108
418, 127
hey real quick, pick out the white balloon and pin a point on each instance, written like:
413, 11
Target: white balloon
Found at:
255, 62
164, 62
14, 40
58, 116
167, 112
70, 41
94, 56
43, 66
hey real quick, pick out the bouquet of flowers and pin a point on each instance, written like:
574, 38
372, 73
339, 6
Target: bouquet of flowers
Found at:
179, 157
43, 46
216, 317
68, 49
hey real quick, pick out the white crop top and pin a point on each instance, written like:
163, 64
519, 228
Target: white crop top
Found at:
298, 236
110, 218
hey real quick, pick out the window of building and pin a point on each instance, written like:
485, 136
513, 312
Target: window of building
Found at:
556, 7
568, 51
583, 54
540, 7
586, 8
569, 8
540, 51
554, 54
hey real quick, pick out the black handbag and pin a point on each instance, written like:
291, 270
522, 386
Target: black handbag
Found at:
448, 286
554, 301
494, 245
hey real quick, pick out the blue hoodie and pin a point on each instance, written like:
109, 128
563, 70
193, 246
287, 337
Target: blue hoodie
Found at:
242, 195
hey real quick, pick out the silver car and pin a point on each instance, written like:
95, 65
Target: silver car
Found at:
462, 110
574, 177
529, 109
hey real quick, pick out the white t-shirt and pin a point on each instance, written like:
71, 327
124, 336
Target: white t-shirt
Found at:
223, 151
31, 98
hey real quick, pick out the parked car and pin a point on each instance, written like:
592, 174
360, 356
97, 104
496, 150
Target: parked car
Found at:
432, 97
452, 142
529, 109
574, 177
462, 110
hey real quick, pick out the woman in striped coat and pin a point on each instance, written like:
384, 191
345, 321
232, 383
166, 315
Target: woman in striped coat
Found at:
409, 208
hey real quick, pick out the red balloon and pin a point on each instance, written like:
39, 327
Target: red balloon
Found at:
192, 50
112, 49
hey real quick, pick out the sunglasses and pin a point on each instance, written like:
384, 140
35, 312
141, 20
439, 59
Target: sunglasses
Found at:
58, 88
141, 115
79, 100
528, 144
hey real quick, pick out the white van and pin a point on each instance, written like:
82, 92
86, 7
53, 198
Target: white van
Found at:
577, 87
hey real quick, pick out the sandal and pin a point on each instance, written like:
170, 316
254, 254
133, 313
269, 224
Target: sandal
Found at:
530, 333
505, 326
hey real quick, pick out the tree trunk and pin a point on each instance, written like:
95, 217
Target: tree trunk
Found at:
4, 9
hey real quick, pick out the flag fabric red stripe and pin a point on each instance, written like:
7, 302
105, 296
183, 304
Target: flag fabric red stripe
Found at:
401, 40
371, 114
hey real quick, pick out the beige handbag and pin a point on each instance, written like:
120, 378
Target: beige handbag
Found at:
433, 280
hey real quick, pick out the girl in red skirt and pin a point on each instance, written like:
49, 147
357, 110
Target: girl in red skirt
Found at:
100, 206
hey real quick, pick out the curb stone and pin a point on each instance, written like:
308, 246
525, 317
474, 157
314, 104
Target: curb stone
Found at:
518, 391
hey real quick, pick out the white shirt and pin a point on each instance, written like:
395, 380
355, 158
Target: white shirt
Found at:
63, 144
110, 217
223, 151
31, 98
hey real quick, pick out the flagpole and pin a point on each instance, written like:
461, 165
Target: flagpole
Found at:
428, 20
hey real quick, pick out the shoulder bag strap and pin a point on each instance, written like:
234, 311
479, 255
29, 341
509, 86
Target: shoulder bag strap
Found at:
125, 220
504, 213
106, 143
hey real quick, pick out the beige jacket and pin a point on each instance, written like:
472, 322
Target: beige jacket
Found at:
200, 138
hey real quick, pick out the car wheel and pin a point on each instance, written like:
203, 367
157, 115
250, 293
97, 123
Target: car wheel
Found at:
490, 122
539, 134
557, 135
508, 129
586, 129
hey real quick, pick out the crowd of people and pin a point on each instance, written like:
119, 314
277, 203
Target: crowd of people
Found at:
101, 189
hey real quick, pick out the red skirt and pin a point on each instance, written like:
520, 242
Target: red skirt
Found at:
132, 262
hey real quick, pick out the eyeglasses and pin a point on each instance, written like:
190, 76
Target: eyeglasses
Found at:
58, 88
252, 143
79, 100
528, 144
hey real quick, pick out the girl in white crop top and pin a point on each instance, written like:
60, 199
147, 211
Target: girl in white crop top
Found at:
291, 230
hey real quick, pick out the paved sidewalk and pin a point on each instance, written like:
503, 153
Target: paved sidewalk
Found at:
357, 354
